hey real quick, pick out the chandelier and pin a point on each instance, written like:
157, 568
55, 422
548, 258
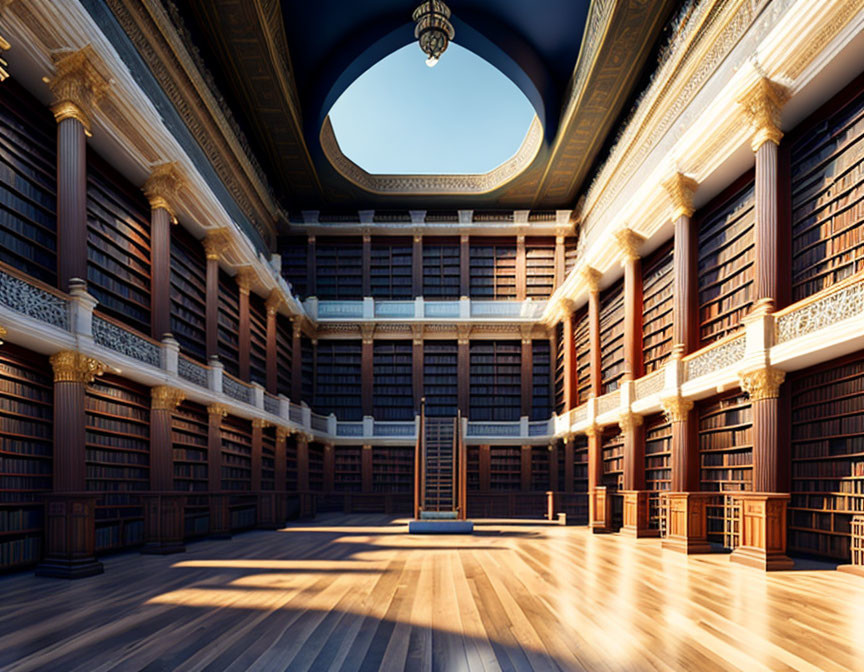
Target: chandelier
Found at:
433, 30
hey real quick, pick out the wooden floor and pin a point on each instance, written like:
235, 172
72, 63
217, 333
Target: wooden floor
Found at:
358, 593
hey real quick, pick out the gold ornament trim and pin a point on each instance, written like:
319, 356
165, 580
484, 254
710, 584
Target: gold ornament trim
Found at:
593, 431
762, 104
260, 423
79, 82
681, 189
762, 384
628, 422
629, 242
2, 334
591, 277
244, 278
216, 242
282, 433
217, 409
273, 302
163, 187
73, 367
165, 398
676, 409
4, 46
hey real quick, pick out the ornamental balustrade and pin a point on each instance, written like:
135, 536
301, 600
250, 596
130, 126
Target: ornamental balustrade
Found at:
271, 403
33, 301
126, 342
841, 302
189, 369
236, 389
650, 384
716, 356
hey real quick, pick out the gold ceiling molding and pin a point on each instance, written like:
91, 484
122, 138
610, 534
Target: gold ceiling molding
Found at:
432, 185
166, 398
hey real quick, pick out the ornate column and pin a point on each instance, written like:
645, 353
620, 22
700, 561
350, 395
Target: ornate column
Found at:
569, 456
161, 189
560, 261
215, 243
681, 189
366, 469
307, 504
274, 301
521, 269
244, 280
417, 364
329, 467
598, 502
280, 467
266, 500
569, 347
311, 267
296, 360
635, 495
77, 86
366, 265
592, 281
763, 511
686, 522
762, 105
629, 241
70, 525
526, 372
464, 369
525, 469
164, 519
464, 266
417, 266
553, 466
367, 374
220, 516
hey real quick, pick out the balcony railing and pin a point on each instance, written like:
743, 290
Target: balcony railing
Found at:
422, 309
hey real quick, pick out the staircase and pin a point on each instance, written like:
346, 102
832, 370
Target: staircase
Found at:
439, 477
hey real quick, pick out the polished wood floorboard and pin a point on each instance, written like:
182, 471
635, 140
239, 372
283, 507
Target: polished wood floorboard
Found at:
358, 593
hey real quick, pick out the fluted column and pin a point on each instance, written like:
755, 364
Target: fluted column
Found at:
463, 380
763, 388
280, 468
307, 505
274, 301
417, 364
296, 360
70, 526
244, 285
77, 86
367, 374
464, 266
681, 189
592, 282
521, 269
526, 372
220, 520
568, 347
366, 265
264, 508
417, 266
215, 243
598, 502
162, 190
164, 524
560, 261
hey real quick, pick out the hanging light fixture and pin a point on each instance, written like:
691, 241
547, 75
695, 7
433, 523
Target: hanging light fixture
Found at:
433, 30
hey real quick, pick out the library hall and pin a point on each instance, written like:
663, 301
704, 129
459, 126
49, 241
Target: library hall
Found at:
431, 335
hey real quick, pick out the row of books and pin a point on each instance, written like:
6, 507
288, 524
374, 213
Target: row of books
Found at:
12, 520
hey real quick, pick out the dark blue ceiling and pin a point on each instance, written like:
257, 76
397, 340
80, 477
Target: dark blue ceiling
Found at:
332, 42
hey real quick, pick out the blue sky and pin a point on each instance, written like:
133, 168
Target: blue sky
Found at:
400, 116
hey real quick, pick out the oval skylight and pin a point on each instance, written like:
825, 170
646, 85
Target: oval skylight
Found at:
400, 117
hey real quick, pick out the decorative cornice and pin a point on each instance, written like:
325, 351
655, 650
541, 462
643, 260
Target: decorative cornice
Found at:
163, 187
417, 334
761, 384
676, 409
591, 277
216, 242
629, 242
629, 421
367, 332
762, 104
282, 433
73, 367
463, 334
681, 189
260, 423
165, 398
438, 185
244, 278
217, 410
79, 82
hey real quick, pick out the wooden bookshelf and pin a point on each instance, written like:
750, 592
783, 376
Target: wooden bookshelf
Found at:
390, 268
228, 343
472, 468
492, 270
393, 469
257, 340
539, 267
495, 382
268, 458
657, 287
338, 387
582, 347
189, 432
118, 459
284, 354
307, 370
580, 463
440, 268
28, 184
440, 378
658, 466
118, 245
347, 476
339, 269
611, 336
291, 463
827, 456
541, 380
725, 452
188, 294
505, 468
540, 468
236, 454
316, 467
393, 395
612, 450
725, 261
26, 451
827, 192
294, 251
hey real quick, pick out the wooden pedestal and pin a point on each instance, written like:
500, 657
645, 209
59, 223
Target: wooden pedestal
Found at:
599, 513
636, 515
220, 516
687, 523
763, 531
164, 524
70, 537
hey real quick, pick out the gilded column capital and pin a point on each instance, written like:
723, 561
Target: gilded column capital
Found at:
163, 187
4, 46
274, 302
216, 242
79, 82
591, 277
244, 278
760, 384
367, 332
676, 408
463, 333
681, 189
629, 421
417, 334
282, 433
762, 104
526, 331
217, 410
260, 423
165, 398
296, 327
568, 307
2, 334
629, 242
593, 431
73, 367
